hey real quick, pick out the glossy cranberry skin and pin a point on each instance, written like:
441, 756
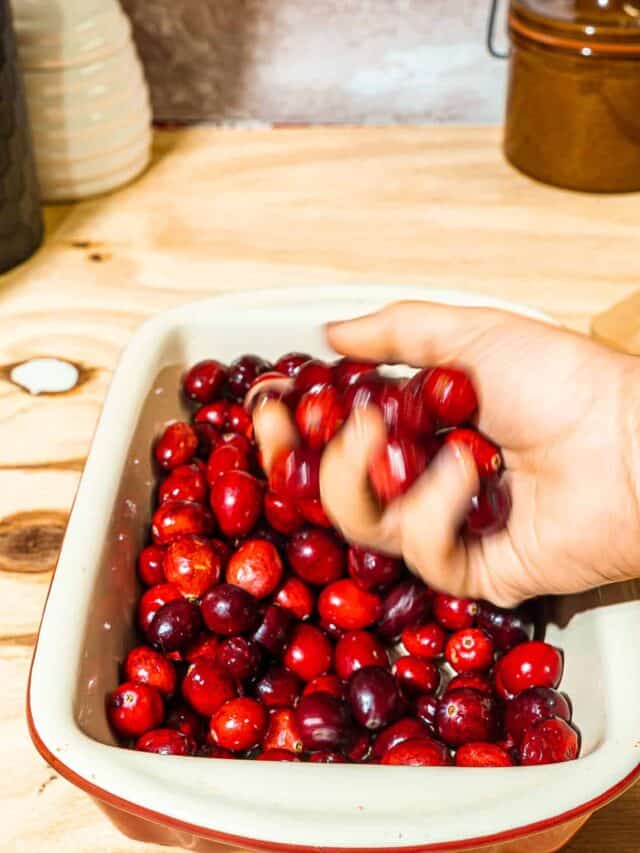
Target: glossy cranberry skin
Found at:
507, 628
357, 649
464, 716
415, 675
316, 556
206, 686
145, 665
470, 650
166, 742
239, 724
312, 511
215, 414
151, 565
236, 500
268, 534
309, 652
531, 706
476, 680
403, 729
204, 380
426, 707
549, 741
255, 567
222, 550
208, 438
498, 683
312, 374
226, 457
184, 483
204, 646
325, 684
192, 565
152, 600
372, 570
297, 597
450, 396
486, 454
489, 509
418, 752
283, 732
227, 609
416, 416
483, 755
239, 421
373, 696
405, 605
185, 720
279, 688
531, 664
243, 372
327, 756
274, 631
349, 371
180, 518
282, 513
291, 362
134, 709
319, 415
239, 657
176, 446
453, 613
296, 474
324, 722
344, 604
175, 625
396, 467
425, 641
277, 755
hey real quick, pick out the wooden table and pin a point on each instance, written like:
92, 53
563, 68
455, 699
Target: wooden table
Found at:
221, 210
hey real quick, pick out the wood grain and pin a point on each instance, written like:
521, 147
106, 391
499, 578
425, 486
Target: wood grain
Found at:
223, 210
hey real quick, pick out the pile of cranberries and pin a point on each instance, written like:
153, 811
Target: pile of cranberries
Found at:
265, 635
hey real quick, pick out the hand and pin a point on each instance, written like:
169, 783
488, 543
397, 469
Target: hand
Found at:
564, 409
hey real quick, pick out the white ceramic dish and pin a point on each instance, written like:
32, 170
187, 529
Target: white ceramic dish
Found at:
194, 802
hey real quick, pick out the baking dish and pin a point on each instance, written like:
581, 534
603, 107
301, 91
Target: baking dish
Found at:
199, 803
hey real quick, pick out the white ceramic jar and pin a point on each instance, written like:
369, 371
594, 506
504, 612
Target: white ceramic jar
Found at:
87, 97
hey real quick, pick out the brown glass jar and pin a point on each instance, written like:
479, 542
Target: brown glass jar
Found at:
573, 104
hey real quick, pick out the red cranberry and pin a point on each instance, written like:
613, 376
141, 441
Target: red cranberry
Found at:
208, 437
204, 380
236, 500
291, 362
215, 414
360, 750
464, 715
147, 666
325, 684
327, 756
309, 652
256, 567
240, 442
296, 474
227, 609
374, 697
268, 534
274, 630
349, 371
549, 742
312, 374
331, 630
185, 720
192, 565
175, 625
415, 675
449, 395
295, 596
498, 683
239, 724
283, 732
396, 467
210, 750
507, 628
324, 722
476, 680
239, 657
531, 706
222, 550
470, 650
206, 686
489, 509
152, 600
279, 688
312, 511
418, 752
319, 415
426, 709
485, 453
268, 386
282, 514
531, 664
403, 729
344, 604
405, 605
176, 446
184, 483
166, 742
483, 755
416, 416
372, 570
180, 518
239, 421
204, 646
226, 457
277, 755
356, 650
426, 641
134, 709
242, 373
151, 565
316, 556
453, 613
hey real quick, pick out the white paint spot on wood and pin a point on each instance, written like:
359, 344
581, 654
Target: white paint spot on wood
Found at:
45, 376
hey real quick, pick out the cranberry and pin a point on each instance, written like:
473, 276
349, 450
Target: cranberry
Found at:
277, 755
239, 724
204, 380
226, 457
449, 395
366, 390
210, 750
184, 483
360, 750
147, 666
316, 556
185, 720
374, 697
206, 686
166, 742
327, 756
405, 605
476, 680
549, 742
344, 604
489, 509
176, 446
453, 613
242, 373
415, 675
283, 732
470, 650
134, 709
312, 511
151, 565
175, 625
236, 500
295, 596
403, 729
464, 715
531, 664
483, 755
485, 453
356, 650
349, 371
331, 630
319, 415
152, 600
531, 706
227, 609
507, 628
309, 652
215, 414
256, 567
418, 752
208, 437
296, 474
274, 630
312, 374
268, 534
416, 416
291, 362
426, 641
426, 709
222, 550
268, 386
498, 683
325, 684
372, 570
192, 565
324, 722
239, 421
396, 467
180, 518
282, 513
239, 657
279, 688
204, 646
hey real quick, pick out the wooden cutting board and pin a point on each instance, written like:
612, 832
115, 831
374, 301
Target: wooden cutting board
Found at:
619, 326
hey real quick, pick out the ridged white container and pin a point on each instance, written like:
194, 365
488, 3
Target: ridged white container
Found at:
87, 97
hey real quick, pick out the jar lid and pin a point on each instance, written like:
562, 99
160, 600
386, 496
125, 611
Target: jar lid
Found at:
588, 26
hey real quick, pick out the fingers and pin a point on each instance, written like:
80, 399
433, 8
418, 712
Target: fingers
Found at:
274, 430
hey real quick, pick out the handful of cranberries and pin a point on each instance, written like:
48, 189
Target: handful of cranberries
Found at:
265, 635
